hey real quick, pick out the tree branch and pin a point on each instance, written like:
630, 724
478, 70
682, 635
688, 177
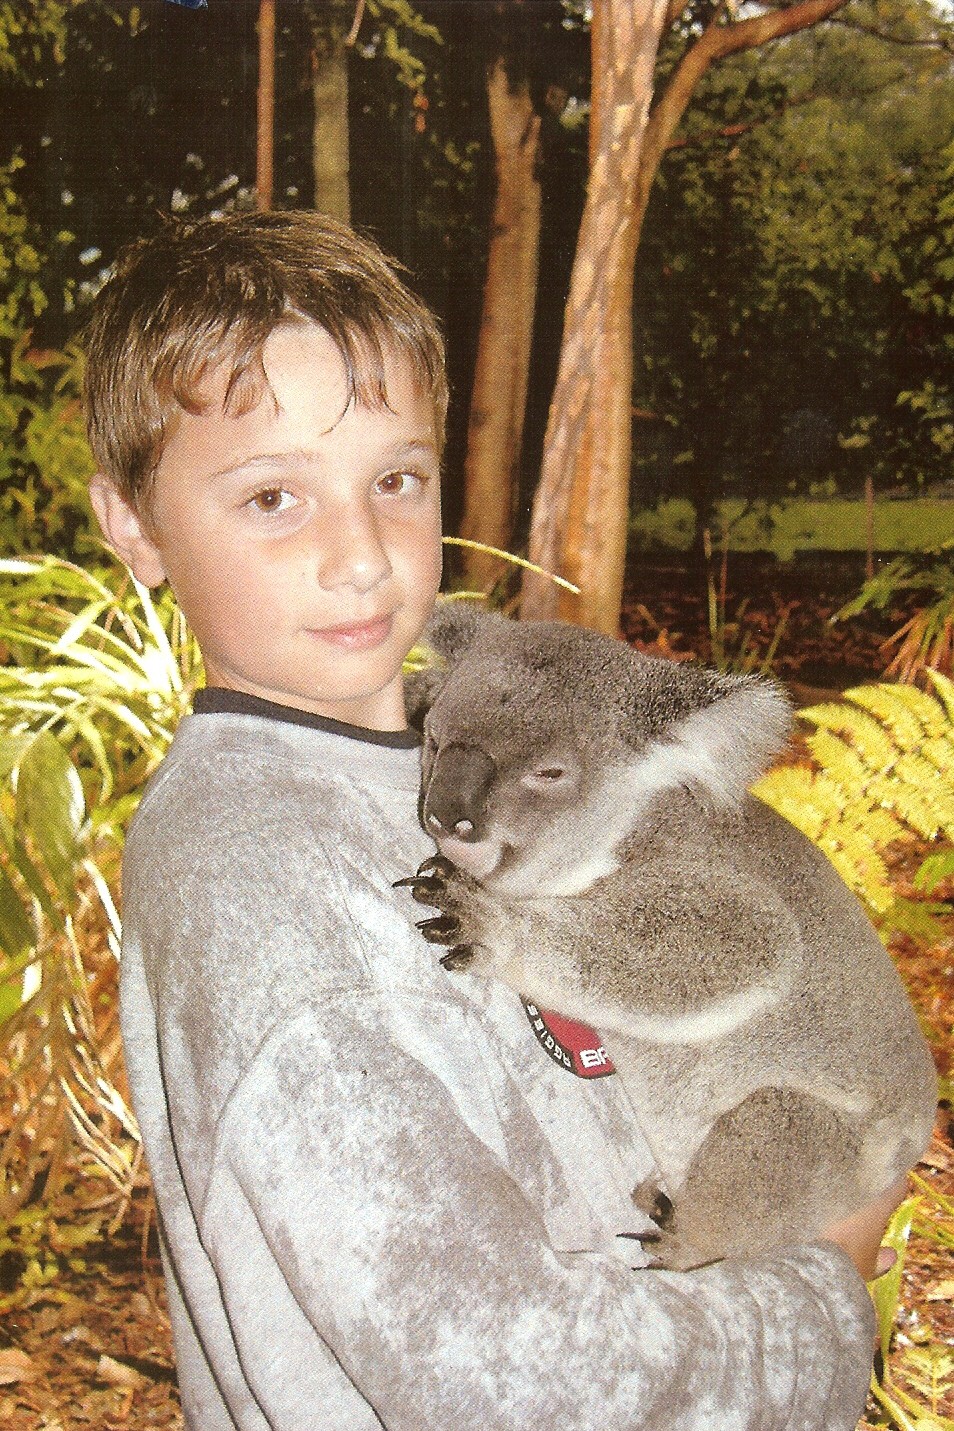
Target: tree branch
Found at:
759, 29
352, 35
716, 41
934, 42
733, 131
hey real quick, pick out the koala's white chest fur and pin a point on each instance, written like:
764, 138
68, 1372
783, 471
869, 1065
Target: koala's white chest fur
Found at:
611, 867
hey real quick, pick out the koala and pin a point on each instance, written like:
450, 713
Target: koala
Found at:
600, 853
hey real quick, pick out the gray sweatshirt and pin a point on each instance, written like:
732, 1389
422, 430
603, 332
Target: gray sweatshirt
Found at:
394, 1196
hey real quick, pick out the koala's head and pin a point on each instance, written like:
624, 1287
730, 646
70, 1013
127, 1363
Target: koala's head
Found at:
545, 744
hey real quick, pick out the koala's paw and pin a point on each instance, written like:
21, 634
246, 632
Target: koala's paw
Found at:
650, 1199
459, 899
665, 1244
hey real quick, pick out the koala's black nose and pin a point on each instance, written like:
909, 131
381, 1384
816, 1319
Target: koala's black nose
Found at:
456, 795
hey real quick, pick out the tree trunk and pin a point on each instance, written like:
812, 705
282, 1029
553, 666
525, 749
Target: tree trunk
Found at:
580, 513
265, 115
499, 395
329, 85
581, 509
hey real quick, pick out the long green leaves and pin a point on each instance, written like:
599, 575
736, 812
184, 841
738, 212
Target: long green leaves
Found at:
95, 682
110, 671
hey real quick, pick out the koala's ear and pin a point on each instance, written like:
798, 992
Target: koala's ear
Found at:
738, 734
454, 627
720, 732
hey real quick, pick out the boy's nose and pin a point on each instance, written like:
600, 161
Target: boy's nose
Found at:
352, 552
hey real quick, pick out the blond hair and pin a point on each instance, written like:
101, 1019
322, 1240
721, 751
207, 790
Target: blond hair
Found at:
203, 294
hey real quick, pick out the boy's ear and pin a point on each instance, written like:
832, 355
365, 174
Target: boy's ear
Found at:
123, 528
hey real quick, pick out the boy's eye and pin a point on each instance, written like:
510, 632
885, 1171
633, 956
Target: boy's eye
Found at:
271, 499
392, 484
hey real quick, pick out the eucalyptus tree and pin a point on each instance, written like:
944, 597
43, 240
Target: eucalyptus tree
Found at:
581, 508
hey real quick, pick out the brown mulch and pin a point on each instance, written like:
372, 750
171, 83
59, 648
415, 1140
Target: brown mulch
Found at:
94, 1348
665, 607
91, 1346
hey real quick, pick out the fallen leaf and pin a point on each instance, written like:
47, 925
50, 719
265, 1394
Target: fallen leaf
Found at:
118, 1421
116, 1373
940, 1158
15, 1366
78, 1333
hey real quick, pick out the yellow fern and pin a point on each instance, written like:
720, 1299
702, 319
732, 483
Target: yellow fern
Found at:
881, 771
869, 739
945, 690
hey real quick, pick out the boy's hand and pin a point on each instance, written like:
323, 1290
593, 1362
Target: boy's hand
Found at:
860, 1235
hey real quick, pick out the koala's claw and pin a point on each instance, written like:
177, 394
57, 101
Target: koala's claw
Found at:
458, 957
650, 1199
436, 865
422, 888
440, 930
428, 880
408, 882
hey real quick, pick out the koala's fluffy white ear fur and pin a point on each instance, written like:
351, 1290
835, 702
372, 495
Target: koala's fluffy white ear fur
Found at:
726, 743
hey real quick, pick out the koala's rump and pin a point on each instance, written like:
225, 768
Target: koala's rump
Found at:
836, 1029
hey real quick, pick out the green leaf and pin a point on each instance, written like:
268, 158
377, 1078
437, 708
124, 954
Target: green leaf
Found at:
51, 807
12, 750
16, 929
935, 869
886, 1290
34, 881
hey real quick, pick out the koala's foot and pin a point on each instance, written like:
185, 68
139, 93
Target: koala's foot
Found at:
666, 1244
650, 1199
462, 918
673, 1253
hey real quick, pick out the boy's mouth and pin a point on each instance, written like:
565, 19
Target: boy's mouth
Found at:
357, 636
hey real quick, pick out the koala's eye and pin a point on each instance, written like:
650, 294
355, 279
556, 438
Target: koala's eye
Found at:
547, 777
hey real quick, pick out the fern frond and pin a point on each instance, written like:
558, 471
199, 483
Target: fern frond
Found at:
882, 773
840, 759
905, 712
866, 734
940, 752
945, 690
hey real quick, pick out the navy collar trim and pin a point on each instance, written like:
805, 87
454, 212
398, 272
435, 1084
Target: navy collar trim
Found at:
217, 700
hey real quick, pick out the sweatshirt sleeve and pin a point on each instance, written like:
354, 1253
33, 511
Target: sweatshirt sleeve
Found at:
351, 1207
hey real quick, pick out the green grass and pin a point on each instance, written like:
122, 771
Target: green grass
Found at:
785, 528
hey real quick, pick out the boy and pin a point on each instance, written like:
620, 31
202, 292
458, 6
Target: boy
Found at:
382, 1202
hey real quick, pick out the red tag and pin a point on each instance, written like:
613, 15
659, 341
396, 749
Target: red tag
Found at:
573, 1046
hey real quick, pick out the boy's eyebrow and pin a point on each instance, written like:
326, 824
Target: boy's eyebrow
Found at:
413, 447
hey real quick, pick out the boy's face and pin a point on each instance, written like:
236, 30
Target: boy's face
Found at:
302, 539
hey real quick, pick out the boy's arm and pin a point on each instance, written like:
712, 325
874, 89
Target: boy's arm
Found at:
350, 1199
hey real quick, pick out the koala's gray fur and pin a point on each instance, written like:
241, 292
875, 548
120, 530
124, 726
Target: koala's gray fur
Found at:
607, 861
